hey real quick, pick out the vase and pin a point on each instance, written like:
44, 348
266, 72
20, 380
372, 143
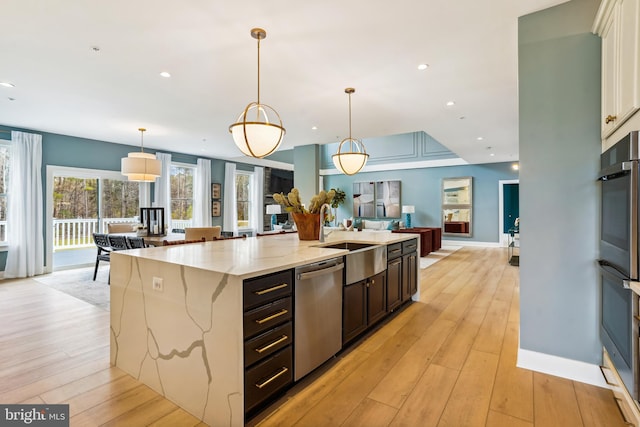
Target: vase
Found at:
308, 225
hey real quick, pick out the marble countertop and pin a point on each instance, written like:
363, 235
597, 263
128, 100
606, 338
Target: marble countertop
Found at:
256, 256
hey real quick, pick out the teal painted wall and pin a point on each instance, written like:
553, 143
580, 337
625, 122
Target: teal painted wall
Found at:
421, 188
406, 147
306, 171
559, 96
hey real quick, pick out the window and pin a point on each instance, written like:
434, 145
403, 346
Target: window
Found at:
181, 195
4, 186
244, 182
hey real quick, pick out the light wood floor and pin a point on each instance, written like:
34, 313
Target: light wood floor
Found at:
448, 361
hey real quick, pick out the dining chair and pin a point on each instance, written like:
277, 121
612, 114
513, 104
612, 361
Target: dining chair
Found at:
135, 242
209, 233
104, 250
117, 242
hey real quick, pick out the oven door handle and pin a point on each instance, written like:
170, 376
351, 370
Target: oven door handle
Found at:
614, 270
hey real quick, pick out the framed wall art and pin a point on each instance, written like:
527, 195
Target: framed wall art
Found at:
216, 208
216, 189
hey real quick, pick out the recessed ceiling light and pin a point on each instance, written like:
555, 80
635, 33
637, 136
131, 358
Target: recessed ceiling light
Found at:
479, 138
515, 166
422, 67
462, 117
492, 154
314, 128
7, 84
451, 103
165, 74
11, 99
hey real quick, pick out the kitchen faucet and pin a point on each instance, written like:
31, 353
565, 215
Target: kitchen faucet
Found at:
322, 208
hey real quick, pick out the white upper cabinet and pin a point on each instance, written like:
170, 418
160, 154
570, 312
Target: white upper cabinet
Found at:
617, 22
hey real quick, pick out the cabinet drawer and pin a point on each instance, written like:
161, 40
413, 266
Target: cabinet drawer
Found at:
394, 250
267, 316
409, 246
267, 378
264, 289
268, 343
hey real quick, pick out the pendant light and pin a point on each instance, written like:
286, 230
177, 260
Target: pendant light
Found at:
254, 133
141, 166
350, 162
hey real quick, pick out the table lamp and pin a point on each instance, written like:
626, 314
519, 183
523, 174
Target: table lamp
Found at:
408, 210
273, 210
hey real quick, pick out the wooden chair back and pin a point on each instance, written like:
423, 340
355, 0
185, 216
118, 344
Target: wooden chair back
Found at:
209, 233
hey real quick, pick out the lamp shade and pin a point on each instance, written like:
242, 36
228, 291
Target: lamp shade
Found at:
260, 137
141, 166
273, 209
350, 162
408, 209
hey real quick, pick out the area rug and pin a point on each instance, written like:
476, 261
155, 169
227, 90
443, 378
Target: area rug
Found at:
79, 283
436, 256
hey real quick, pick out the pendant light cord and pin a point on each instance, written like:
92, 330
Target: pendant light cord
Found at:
142, 139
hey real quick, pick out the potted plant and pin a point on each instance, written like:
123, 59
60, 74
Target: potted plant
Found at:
338, 199
307, 220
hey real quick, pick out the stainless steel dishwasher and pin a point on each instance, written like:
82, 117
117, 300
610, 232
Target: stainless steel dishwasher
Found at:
318, 314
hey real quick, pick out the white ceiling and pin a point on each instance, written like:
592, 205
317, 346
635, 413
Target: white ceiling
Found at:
313, 51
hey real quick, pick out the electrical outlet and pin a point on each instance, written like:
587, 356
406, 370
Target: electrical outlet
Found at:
157, 284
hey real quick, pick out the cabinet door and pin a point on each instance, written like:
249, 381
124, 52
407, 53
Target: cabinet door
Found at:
394, 283
354, 314
609, 70
413, 273
376, 298
409, 273
628, 16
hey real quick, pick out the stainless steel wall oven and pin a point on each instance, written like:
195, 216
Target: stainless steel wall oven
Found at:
619, 258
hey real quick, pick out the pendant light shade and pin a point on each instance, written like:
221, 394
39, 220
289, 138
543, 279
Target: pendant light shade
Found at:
351, 156
140, 166
258, 131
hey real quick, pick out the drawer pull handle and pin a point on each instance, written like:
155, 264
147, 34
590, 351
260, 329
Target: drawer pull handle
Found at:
282, 339
274, 288
273, 316
395, 261
606, 377
282, 371
609, 119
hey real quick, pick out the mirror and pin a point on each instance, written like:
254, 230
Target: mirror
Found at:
457, 200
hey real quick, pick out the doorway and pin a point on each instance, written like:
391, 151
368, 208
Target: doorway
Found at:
509, 209
80, 202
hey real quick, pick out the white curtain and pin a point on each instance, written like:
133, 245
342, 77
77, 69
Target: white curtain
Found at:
162, 188
202, 194
230, 218
257, 199
25, 207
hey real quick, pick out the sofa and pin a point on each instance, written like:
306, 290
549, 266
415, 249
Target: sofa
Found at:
377, 224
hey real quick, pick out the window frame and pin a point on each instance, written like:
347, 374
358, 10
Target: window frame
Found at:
252, 221
193, 175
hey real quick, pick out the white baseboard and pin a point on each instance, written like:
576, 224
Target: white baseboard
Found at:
472, 243
561, 367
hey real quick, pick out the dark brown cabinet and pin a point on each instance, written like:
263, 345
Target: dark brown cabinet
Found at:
354, 313
376, 298
409, 269
364, 303
268, 337
394, 276
409, 282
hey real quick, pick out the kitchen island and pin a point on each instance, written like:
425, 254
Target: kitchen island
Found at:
177, 313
